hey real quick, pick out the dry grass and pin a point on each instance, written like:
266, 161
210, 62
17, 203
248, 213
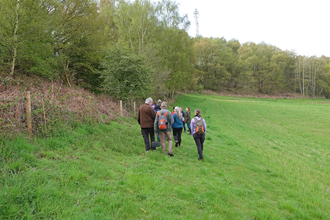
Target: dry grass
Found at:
50, 101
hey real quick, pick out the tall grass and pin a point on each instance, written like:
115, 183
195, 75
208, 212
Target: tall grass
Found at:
263, 159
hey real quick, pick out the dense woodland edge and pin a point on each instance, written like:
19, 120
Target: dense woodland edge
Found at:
134, 49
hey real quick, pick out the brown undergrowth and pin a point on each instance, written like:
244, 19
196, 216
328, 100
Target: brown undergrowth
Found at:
51, 103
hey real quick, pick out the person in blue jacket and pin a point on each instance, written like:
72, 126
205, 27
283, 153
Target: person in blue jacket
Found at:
177, 126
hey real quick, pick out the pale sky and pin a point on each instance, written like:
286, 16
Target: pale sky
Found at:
299, 25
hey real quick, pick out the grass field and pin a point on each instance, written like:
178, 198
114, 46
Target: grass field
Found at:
263, 159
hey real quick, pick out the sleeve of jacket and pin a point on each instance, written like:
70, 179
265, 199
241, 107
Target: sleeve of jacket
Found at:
138, 116
204, 125
174, 118
153, 113
170, 119
156, 124
187, 118
192, 126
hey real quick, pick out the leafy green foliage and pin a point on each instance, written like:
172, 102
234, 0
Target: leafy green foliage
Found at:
212, 55
66, 40
125, 75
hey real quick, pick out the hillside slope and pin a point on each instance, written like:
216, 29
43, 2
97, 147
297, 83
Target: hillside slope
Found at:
264, 159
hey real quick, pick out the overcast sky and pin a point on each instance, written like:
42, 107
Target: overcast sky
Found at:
299, 25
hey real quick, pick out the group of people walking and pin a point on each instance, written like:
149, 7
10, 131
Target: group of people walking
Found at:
158, 119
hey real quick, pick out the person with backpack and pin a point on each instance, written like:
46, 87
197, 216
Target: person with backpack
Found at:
163, 126
187, 119
146, 117
157, 109
198, 127
177, 126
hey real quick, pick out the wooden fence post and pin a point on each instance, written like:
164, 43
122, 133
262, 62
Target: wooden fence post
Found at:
134, 109
121, 108
28, 112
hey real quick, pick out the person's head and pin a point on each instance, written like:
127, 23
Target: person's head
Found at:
187, 109
149, 101
164, 105
159, 101
178, 112
181, 108
198, 112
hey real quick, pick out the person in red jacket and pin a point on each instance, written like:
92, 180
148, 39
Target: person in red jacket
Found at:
146, 117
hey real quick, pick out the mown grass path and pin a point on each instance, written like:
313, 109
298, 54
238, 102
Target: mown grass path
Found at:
263, 159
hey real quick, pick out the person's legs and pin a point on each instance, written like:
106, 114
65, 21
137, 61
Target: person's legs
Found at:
175, 134
188, 124
162, 141
199, 147
152, 135
169, 140
179, 136
202, 142
184, 126
144, 132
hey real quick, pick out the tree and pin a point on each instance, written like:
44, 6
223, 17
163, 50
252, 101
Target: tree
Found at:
125, 75
213, 60
157, 31
25, 35
137, 24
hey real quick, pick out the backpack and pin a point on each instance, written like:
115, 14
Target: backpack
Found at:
199, 128
162, 121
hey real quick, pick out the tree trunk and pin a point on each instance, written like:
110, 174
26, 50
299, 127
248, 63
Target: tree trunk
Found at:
303, 79
299, 77
12, 66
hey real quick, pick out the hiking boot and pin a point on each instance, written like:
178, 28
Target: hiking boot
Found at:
153, 148
176, 144
200, 159
171, 154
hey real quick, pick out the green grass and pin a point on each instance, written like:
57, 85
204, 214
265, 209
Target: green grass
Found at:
263, 159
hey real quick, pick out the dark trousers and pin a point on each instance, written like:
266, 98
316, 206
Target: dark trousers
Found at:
177, 135
145, 133
184, 126
199, 140
188, 124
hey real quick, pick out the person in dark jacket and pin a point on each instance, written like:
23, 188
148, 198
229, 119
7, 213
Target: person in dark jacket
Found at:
183, 118
177, 126
199, 138
146, 117
158, 106
167, 132
187, 119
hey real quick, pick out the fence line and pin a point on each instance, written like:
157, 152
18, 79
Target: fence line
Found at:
38, 110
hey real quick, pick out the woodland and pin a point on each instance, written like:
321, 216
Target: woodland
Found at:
131, 49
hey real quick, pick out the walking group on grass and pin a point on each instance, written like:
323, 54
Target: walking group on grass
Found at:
157, 119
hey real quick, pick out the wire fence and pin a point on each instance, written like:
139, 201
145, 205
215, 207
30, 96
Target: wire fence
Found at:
28, 106
49, 104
